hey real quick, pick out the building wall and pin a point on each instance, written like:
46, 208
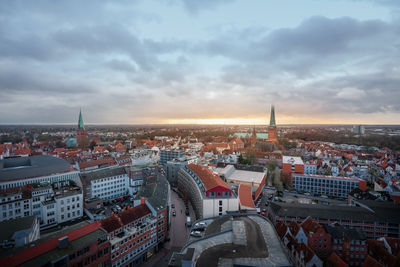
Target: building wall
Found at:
61, 178
326, 185
109, 188
69, 207
219, 206
14, 206
95, 254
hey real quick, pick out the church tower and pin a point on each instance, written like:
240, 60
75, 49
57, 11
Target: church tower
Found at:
81, 135
272, 135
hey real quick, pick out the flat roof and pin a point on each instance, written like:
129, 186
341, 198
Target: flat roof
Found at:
292, 160
246, 176
9, 227
327, 177
29, 167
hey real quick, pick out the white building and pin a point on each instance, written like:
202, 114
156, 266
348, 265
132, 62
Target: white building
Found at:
15, 172
208, 193
43, 201
107, 184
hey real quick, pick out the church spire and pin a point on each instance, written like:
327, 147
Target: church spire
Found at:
81, 126
272, 121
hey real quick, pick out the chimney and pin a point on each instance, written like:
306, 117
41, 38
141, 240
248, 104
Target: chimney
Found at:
63, 242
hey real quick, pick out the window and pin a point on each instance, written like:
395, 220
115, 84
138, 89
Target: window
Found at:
220, 209
220, 202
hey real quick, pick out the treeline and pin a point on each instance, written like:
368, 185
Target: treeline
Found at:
380, 141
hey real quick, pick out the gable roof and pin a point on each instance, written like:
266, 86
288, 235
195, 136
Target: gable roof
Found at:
209, 179
245, 196
131, 214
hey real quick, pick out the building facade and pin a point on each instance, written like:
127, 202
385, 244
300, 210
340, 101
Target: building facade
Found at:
170, 154
16, 172
106, 184
327, 185
208, 193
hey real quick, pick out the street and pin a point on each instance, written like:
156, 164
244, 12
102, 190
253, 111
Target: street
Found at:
178, 232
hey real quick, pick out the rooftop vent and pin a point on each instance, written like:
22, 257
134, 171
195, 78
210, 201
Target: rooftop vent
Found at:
63, 242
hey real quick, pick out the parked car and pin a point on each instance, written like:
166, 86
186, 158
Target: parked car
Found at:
172, 205
201, 224
187, 211
174, 213
195, 233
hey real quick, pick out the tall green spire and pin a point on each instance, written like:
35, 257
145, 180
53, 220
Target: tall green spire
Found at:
80, 122
272, 121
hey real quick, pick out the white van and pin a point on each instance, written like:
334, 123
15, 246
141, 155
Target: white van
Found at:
188, 222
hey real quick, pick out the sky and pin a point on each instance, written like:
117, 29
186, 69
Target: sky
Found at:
200, 61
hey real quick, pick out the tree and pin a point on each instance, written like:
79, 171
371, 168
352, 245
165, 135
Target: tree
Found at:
92, 144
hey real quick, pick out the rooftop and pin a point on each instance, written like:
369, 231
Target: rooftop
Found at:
292, 160
29, 167
333, 212
155, 189
9, 227
209, 179
48, 250
246, 197
102, 173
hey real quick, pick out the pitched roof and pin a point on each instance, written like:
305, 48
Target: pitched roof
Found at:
111, 223
371, 262
245, 196
310, 225
209, 179
336, 261
47, 246
131, 214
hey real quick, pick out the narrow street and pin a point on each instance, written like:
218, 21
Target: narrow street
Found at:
178, 232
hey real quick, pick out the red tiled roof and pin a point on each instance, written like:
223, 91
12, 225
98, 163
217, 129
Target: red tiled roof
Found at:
281, 229
310, 225
47, 246
132, 214
92, 163
209, 179
111, 223
371, 262
245, 196
336, 261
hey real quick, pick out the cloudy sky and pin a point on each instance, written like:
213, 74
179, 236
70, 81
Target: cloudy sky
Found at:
200, 61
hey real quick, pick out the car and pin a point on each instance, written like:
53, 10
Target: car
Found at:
307, 194
266, 203
174, 213
201, 224
172, 205
187, 211
263, 213
195, 233
264, 210
323, 196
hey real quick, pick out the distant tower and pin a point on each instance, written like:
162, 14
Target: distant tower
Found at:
254, 137
81, 135
272, 135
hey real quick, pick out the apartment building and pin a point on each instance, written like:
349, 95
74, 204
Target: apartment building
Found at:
106, 184
327, 185
132, 234
16, 172
208, 193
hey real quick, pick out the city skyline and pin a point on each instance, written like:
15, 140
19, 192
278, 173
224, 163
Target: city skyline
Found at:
218, 62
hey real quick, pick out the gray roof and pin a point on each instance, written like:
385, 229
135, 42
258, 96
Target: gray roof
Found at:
9, 227
102, 173
337, 232
28, 167
390, 214
155, 190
